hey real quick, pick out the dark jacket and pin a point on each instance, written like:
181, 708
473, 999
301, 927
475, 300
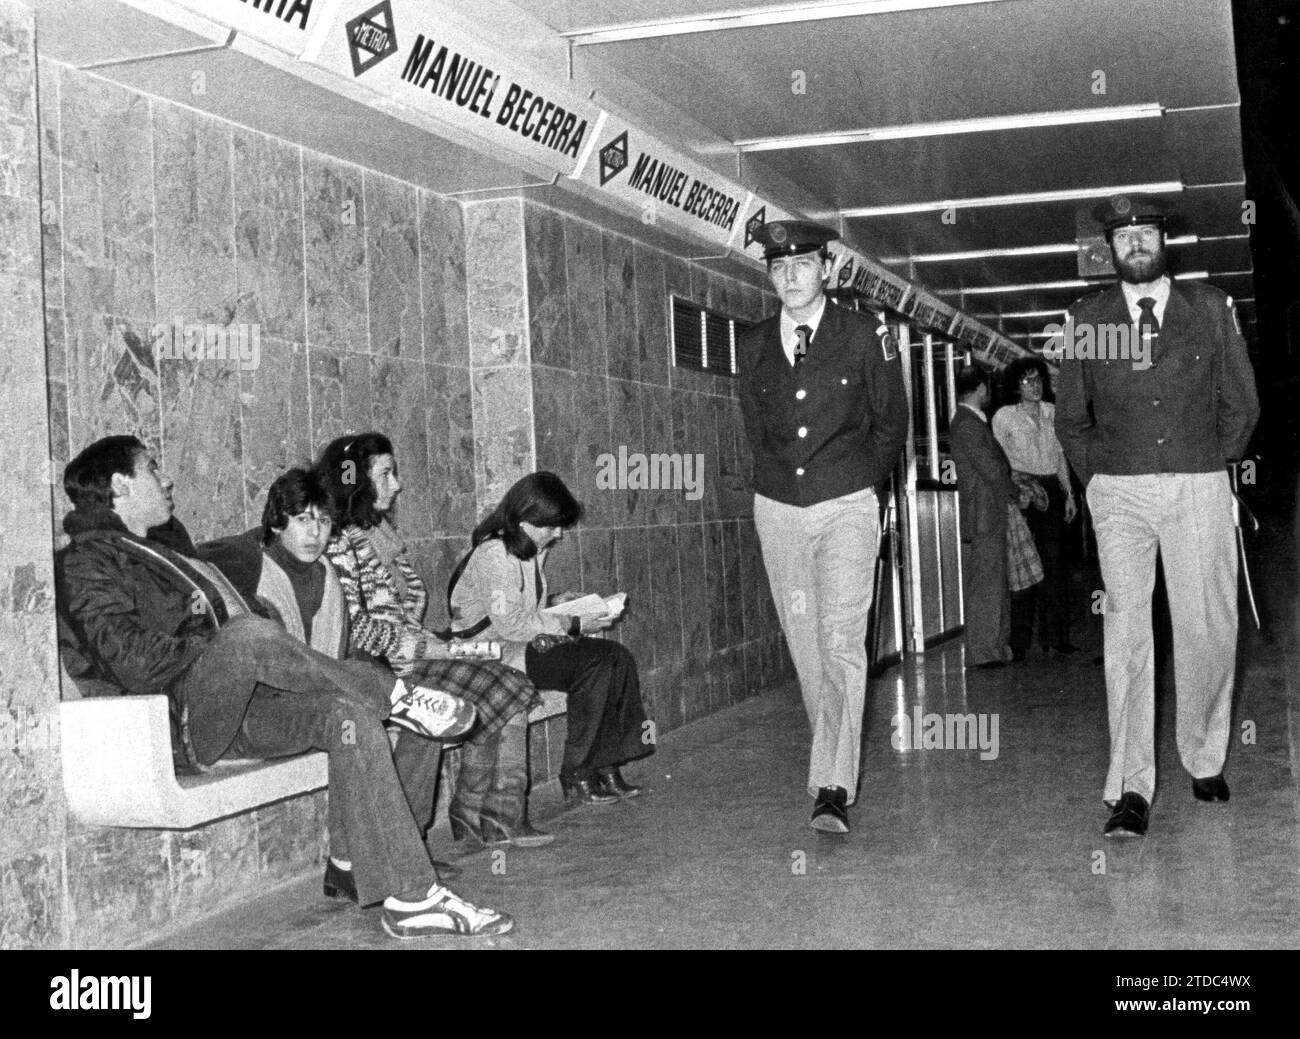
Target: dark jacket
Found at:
983, 476
853, 411
134, 615
1191, 411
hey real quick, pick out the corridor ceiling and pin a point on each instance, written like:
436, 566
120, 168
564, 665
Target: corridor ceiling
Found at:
916, 191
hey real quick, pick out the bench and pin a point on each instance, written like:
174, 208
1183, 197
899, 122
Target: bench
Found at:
117, 767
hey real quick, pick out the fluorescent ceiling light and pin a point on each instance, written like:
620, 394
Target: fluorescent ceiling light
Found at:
1024, 120
1027, 250
749, 17
1071, 283
1019, 314
1025, 199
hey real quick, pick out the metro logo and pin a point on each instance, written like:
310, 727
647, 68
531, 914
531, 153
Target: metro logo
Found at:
371, 37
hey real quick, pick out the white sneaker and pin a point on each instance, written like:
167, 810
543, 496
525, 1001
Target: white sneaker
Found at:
442, 912
433, 713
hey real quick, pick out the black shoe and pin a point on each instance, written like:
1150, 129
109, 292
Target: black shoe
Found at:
1212, 788
1065, 648
989, 665
586, 791
830, 814
612, 782
1130, 817
339, 883
521, 835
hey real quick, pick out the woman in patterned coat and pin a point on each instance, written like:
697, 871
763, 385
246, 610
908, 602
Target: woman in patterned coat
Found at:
386, 601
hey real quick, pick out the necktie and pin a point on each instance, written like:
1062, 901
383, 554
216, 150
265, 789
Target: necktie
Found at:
1148, 325
803, 338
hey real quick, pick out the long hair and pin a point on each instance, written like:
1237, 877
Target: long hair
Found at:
88, 478
294, 492
1021, 367
344, 468
540, 499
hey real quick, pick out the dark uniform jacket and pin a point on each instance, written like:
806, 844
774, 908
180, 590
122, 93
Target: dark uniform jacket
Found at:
830, 427
1191, 411
983, 476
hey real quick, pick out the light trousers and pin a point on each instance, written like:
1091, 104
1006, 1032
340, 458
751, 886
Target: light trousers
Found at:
1188, 517
820, 562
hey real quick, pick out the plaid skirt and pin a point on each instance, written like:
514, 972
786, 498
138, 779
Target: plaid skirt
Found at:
1024, 568
497, 692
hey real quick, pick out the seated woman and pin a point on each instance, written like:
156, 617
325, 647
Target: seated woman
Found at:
386, 601
503, 582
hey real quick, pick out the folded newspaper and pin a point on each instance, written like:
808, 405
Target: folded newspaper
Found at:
593, 606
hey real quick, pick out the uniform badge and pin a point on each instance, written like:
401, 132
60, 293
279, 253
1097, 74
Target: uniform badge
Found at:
1236, 319
888, 344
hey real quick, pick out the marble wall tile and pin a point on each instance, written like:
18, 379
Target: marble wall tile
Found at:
211, 865
291, 836
51, 186
695, 591
31, 901
666, 580
753, 582
57, 368
733, 583
496, 284
684, 442
636, 630
657, 415
203, 444
548, 288
715, 581
591, 401
342, 395
112, 380
393, 258
107, 183
335, 218
194, 199
119, 885
503, 432
274, 404
555, 421
677, 282
442, 279
627, 432
653, 350
599, 560
564, 567
269, 232
585, 271
619, 275
401, 413
714, 462
451, 448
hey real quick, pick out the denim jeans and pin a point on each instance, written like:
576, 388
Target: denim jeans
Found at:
257, 692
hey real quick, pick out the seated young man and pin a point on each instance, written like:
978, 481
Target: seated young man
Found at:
150, 617
281, 566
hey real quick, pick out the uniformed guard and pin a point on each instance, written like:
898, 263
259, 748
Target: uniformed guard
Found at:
1149, 420
826, 416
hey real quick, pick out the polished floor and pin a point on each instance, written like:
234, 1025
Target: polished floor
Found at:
950, 848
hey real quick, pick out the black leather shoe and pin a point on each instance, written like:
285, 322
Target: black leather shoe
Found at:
1130, 817
612, 782
586, 791
830, 813
1212, 788
339, 883
520, 835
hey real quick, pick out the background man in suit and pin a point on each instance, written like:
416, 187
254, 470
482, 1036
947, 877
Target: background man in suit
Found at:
826, 415
985, 489
1149, 440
